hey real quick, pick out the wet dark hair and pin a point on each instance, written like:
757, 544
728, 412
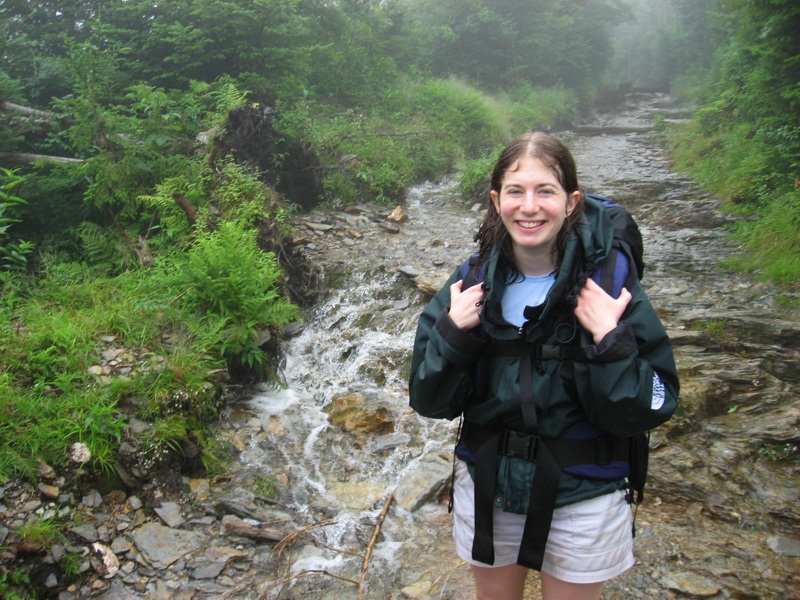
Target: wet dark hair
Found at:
554, 154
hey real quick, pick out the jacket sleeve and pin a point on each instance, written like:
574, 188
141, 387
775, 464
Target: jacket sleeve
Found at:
629, 382
440, 384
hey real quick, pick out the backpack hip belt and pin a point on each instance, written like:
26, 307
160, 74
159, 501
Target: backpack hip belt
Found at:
550, 455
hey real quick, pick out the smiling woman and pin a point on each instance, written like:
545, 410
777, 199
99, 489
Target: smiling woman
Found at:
538, 360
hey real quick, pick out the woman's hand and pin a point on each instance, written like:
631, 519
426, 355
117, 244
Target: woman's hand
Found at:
598, 312
466, 306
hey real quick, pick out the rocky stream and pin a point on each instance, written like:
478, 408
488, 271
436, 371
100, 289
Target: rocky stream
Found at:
338, 491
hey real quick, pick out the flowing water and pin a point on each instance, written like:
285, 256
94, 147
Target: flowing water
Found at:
338, 439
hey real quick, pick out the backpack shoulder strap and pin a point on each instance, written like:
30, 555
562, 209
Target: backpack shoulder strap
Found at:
625, 264
471, 273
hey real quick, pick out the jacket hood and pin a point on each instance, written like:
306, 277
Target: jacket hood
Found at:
587, 247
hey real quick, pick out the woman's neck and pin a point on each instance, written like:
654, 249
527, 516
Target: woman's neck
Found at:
534, 264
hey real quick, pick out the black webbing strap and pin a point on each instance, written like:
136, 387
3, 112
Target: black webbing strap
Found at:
541, 504
485, 476
550, 455
532, 352
548, 470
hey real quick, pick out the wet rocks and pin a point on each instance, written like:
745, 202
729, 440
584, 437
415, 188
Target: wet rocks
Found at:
357, 418
425, 483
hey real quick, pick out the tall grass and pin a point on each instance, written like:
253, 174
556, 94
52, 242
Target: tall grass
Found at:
735, 163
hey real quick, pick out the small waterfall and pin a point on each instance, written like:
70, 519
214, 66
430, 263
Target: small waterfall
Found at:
357, 340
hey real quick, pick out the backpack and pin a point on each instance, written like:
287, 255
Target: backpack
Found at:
622, 268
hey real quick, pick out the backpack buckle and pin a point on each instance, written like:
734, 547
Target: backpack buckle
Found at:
519, 445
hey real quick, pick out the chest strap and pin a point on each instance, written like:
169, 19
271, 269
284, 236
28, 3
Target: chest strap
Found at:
531, 353
550, 455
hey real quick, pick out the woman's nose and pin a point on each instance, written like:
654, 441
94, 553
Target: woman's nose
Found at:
529, 202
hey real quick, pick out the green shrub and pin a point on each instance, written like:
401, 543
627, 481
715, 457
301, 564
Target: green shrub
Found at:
772, 242
531, 108
474, 181
231, 287
13, 253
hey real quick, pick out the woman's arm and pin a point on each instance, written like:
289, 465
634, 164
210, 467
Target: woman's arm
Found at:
629, 382
440, 383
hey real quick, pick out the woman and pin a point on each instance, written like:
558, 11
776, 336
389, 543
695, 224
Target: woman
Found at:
535, 356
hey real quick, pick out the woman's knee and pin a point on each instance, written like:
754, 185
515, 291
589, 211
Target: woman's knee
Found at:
557, 589
500, 583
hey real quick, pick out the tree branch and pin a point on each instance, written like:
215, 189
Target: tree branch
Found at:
22, 157
368, 553
42, 114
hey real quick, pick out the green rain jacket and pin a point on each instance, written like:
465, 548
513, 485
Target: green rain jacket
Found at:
625, 385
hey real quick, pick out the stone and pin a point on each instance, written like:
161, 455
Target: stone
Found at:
223, 554
389, 227
49, 491
424, 483
691, 584
208, 571
92, 499
104, 562
319, 227
170, 513
161, 546
200, 487
781, 544
417, 591
353, 415
428, 285
86, 532
409, 271
398, 215
117, 591
44, 470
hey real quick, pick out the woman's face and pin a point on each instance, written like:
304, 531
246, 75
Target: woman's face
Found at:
533, 207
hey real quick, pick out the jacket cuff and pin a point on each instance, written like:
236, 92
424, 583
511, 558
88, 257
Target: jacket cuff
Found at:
618, 344
467, 343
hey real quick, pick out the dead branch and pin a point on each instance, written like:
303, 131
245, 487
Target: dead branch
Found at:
42, 114
187, 208
23, 157
291, 537
235, 526
371, 546
267, 500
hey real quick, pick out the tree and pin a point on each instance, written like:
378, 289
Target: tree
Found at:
512, 42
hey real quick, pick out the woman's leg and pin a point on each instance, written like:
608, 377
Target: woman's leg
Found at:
556, 589
499, 583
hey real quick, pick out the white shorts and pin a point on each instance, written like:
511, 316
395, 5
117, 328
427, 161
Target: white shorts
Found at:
589, 541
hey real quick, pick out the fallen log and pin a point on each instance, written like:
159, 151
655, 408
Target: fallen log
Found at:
42, 114
236, 526
23, 157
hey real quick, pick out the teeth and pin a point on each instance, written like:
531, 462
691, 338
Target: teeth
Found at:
530, 224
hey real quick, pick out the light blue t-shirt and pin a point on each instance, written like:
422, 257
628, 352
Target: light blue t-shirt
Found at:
529, 290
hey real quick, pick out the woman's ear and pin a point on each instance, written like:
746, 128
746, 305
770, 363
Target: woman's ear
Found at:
572, 201
495, 197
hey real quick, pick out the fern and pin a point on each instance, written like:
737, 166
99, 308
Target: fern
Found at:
105, 249
235, 285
